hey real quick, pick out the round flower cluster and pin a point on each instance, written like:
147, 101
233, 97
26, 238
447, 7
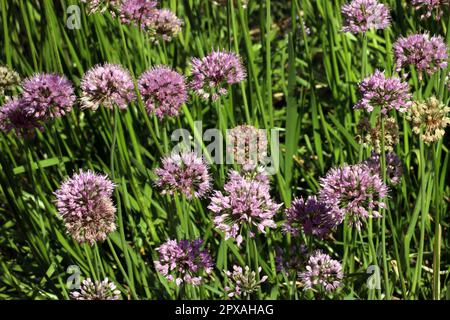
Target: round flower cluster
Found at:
425, 53
245, 201
378, 91
13, 116
186, 173
84, 202
362, 15
353, 191
44, 97
242, 281
163, 91
137, 12
311, 215
98, 290
183, 261
213, 73
322, 273
47, 96
429, 119
108, 85
164, 24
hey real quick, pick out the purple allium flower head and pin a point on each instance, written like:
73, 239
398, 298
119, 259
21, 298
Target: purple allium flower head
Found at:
312, 215
184, 261
47, 96
98, 290
242, 281
425, 53
245, 201
137, 12
393, 166
84, 202
353, 190
163, 91
321, 272
107, 85
429, 6
164, 24
213, 73
362, 15
386, 93
13, 116
186, 173
247, 145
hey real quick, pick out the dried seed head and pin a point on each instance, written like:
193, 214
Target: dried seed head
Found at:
371, 137
8, 79
429, 119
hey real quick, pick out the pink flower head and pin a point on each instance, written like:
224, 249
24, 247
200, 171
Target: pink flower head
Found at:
84, 202
355, 191
14, 116
245, 201
322, 272
137, 12
425, 53
362, 15
186, 173
184, 261
47, 96
213, 73
108, 85
311, 215
163, 91
386, 93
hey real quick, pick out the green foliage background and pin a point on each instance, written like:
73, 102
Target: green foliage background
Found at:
305, 85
